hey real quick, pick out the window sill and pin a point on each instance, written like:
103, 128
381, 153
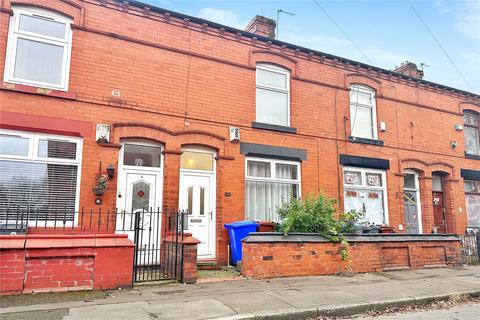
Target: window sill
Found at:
366, 141
273, 127
37, 90
472, 156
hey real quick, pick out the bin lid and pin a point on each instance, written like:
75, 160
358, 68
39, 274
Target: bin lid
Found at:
241, 224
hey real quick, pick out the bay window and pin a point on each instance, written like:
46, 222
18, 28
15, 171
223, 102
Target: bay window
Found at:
38, 49
273, 95
365, 191
269, 183
39, 174
472, 132
363, 114
472, 199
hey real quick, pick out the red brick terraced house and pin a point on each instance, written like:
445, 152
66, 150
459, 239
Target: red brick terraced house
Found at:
221, 122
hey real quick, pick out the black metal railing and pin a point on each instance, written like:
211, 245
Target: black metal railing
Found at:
23, 220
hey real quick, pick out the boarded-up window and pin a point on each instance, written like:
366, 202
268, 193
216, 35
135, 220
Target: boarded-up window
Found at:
472, 199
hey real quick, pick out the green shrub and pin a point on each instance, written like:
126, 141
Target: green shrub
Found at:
318, 215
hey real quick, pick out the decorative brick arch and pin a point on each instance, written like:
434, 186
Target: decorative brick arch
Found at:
467, 105
442, 167
417, 165
69, 9
173, 140
363, 79
275, 58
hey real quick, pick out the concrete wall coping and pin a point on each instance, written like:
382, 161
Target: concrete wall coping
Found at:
277, 237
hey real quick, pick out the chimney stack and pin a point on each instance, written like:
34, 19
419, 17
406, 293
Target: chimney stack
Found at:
409, 69
262, 26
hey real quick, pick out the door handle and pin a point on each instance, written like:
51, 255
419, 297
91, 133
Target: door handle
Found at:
211, 214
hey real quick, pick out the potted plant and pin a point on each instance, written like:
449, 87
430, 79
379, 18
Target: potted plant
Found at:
101, 183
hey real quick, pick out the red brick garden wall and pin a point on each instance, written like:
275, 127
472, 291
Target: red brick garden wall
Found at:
41, 263
286, 257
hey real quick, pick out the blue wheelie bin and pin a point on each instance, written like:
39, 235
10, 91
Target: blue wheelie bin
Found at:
236, 232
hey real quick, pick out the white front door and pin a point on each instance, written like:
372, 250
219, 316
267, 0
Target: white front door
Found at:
197, 197
141, 200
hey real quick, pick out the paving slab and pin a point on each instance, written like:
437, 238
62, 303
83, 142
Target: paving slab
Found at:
260, 299
253, 302
116, 311
198, 309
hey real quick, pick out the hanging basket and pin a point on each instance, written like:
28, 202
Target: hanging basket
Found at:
98, 191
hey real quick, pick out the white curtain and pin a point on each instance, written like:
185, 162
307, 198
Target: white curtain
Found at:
262, 198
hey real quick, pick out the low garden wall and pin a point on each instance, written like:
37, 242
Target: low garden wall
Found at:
40, 263
268, 255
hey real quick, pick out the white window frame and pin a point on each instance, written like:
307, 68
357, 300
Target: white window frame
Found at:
140, 143
275, 69
417, 194
14, 34
373, 107
33, 158
364, 186
273, 178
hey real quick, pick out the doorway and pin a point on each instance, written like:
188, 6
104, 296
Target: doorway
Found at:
411, 197
439, 218
139, 188
197, 197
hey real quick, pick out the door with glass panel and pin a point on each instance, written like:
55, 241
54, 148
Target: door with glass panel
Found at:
411, 202
197, 197
139, 198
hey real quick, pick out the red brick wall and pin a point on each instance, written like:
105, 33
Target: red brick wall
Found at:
186, 83
286, 259
42, 263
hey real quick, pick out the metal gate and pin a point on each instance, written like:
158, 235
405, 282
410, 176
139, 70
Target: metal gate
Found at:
158, 239
470, 248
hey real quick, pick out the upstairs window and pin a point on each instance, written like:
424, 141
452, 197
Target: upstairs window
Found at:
273, 95
363, 114
472, 132
38, 50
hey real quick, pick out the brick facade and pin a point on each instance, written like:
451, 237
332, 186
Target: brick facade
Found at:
180, 83
280, 256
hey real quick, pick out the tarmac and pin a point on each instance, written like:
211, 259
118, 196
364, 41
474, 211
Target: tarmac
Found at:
281, 298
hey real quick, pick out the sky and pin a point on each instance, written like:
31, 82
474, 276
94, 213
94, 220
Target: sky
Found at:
382, 33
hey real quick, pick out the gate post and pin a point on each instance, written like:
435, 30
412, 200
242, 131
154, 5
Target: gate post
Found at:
188, 272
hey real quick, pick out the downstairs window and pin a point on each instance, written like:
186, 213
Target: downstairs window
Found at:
39, 175
472, 199
269, 183
365, 191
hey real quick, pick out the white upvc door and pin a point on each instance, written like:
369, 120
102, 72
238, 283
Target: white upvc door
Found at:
197, 197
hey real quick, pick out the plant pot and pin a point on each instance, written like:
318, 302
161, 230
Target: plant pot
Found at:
98, 191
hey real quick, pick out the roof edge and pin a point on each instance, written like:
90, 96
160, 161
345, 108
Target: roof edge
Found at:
179, 15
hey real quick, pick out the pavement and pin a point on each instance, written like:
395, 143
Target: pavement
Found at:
282, 298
